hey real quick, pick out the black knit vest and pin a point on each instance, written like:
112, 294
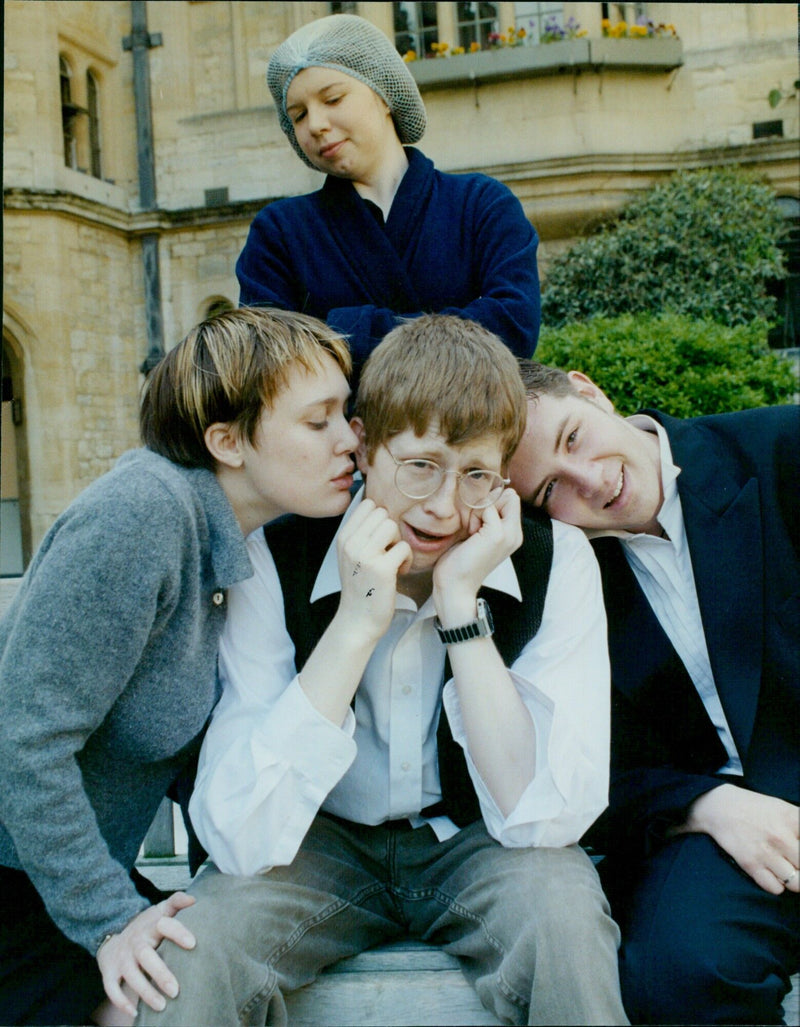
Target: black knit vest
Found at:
298, 546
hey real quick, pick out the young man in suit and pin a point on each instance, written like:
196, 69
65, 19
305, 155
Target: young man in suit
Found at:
696, 526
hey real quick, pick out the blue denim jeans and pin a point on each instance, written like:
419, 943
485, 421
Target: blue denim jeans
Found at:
531, 927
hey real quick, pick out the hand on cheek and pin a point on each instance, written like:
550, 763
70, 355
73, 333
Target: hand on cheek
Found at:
495, 533
371, 555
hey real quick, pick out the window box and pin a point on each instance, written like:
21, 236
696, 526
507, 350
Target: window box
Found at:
501, 65
547, 59
637, 54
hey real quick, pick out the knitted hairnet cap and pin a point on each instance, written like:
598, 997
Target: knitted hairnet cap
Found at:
355, 46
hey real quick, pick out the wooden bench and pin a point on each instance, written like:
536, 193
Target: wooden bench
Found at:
403, 984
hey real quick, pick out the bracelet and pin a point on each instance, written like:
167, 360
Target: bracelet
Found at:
102, 943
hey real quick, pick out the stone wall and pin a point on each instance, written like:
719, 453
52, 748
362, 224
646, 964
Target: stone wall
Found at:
574, 144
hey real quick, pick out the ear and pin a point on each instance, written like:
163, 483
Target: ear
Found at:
224, 444
585, 387
357, 426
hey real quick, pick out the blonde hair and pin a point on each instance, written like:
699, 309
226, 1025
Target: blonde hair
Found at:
443, 369
228, 369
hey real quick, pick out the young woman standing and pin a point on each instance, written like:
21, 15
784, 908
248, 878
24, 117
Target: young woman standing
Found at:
387, 237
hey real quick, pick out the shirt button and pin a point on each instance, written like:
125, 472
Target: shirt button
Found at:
407, 690
405, 766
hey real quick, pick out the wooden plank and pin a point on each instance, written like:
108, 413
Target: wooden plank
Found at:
791, 1005
398, 957
160, 837
8, 589
167, 874
428, 998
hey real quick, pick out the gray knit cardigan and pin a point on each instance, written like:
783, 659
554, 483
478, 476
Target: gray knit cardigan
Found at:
108, 673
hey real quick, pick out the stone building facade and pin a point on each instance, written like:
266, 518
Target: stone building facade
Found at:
140, 140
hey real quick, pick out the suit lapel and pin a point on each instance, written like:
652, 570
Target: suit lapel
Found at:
723, 528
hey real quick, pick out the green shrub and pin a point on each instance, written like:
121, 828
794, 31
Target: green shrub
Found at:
681, 366
702, 244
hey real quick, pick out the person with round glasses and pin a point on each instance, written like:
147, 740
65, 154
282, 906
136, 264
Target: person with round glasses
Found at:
477, 489
388, 235
430, 769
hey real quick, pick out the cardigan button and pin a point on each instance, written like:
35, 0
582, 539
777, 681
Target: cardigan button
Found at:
218, 598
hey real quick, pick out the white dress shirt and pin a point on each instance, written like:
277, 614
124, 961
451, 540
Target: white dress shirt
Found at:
270, 760
663, 568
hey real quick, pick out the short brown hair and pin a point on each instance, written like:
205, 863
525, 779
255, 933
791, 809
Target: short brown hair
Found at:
444, 369
541, 380
228, 369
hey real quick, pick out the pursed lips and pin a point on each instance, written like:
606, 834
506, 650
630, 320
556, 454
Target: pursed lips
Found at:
346, 473
330, 149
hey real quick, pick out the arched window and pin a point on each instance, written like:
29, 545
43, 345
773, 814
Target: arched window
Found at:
93, 106
68, 112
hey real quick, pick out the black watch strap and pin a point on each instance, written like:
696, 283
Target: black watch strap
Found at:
481, 627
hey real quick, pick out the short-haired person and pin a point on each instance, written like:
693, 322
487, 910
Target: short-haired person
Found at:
387, 236
696, 526
420, 775
108, 654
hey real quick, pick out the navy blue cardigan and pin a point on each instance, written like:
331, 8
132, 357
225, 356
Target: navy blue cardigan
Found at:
455, 244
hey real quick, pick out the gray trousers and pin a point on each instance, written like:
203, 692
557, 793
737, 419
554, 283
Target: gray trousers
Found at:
531, 927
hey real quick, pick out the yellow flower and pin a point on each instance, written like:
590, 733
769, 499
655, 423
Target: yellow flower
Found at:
457, 50
409, 56
474, 46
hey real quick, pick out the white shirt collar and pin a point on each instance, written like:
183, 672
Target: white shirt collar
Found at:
670, 516
503, 578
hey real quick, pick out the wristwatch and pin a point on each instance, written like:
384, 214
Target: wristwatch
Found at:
481, 627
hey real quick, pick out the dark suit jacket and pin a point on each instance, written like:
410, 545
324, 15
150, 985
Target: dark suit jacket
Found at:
739, 488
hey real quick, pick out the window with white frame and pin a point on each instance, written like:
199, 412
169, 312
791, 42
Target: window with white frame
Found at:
476, 22
534, 18
415, 28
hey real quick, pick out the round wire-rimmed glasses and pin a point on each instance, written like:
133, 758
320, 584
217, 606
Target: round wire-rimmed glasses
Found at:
418, 478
